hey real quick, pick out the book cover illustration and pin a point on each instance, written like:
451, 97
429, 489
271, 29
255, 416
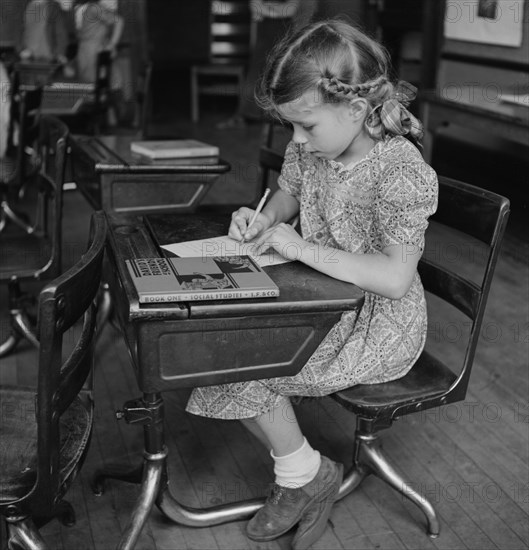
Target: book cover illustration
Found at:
199, 278
173, 149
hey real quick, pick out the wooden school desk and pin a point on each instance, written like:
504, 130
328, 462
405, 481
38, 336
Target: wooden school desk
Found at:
36, 73
475, 108
114, 179
179, 345
64, 97
68, 98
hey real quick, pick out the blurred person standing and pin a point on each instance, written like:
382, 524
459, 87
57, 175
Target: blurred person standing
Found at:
45, 32
98, 29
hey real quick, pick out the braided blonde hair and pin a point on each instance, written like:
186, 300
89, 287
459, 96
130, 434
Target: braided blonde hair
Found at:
333, 58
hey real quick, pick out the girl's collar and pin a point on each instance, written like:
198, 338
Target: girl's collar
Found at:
340, 166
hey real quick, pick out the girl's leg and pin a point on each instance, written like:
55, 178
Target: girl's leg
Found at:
281, 429
296, 463
304, 481
251, 425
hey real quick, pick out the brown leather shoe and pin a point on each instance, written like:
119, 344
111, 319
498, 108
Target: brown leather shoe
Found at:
314, 521
284, 507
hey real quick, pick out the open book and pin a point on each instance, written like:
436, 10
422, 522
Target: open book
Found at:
224, 246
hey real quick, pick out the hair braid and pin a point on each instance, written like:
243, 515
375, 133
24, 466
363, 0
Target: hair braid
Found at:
335, 89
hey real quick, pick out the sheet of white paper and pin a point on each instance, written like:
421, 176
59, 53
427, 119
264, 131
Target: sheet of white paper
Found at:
224, 246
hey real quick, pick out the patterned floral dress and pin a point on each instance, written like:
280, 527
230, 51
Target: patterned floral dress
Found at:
384, 199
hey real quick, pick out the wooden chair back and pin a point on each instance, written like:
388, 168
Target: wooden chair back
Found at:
62, 303
476, 219
230, 32
481, 215
44, 448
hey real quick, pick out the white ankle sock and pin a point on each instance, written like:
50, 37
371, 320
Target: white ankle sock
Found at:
298, 468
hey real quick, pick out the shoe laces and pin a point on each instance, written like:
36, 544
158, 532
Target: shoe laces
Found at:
277, 493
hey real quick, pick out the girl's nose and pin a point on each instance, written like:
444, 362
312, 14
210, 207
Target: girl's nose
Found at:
299, 136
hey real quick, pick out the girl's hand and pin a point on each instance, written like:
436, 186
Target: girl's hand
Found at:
283, 238
239, 224
112, 49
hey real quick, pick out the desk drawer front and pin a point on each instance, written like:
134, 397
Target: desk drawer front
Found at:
154, 193
207, 352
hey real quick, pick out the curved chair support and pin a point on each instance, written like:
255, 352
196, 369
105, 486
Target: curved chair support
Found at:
7, 213
9, 344
352, 480
21, 327
152, 476
372, 456
22, 533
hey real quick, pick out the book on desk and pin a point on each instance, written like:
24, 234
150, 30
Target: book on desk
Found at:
159, 280
174, 149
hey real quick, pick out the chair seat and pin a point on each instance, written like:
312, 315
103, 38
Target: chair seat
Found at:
428, 378
22, 255
18, 441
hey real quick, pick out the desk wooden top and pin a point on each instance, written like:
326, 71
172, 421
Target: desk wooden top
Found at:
111, 153
302, 289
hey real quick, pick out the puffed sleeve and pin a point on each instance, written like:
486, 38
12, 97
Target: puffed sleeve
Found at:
291, 178
406, 198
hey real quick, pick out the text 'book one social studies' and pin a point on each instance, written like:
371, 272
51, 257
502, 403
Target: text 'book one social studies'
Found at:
159, 280
172, 149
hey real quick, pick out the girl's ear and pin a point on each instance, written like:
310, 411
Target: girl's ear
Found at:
358, 108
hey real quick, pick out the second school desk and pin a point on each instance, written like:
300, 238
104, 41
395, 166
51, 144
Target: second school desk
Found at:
470, 107
114, 179
179, 345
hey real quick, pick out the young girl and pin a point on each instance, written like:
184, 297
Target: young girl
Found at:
364, 195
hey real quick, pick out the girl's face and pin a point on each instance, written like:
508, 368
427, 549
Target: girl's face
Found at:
330, 131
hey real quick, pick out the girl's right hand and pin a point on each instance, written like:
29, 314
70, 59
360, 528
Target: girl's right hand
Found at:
239, 224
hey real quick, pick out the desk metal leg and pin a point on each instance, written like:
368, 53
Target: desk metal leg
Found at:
153, 467
233, 511
203, 517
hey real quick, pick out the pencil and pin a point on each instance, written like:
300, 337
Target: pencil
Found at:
260, 206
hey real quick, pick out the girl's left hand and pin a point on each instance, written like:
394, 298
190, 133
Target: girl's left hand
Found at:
283, 238
113, 51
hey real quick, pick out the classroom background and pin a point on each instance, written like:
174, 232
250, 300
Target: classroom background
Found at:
448, 453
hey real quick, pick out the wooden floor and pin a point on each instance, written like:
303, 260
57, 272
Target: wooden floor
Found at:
470, 459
